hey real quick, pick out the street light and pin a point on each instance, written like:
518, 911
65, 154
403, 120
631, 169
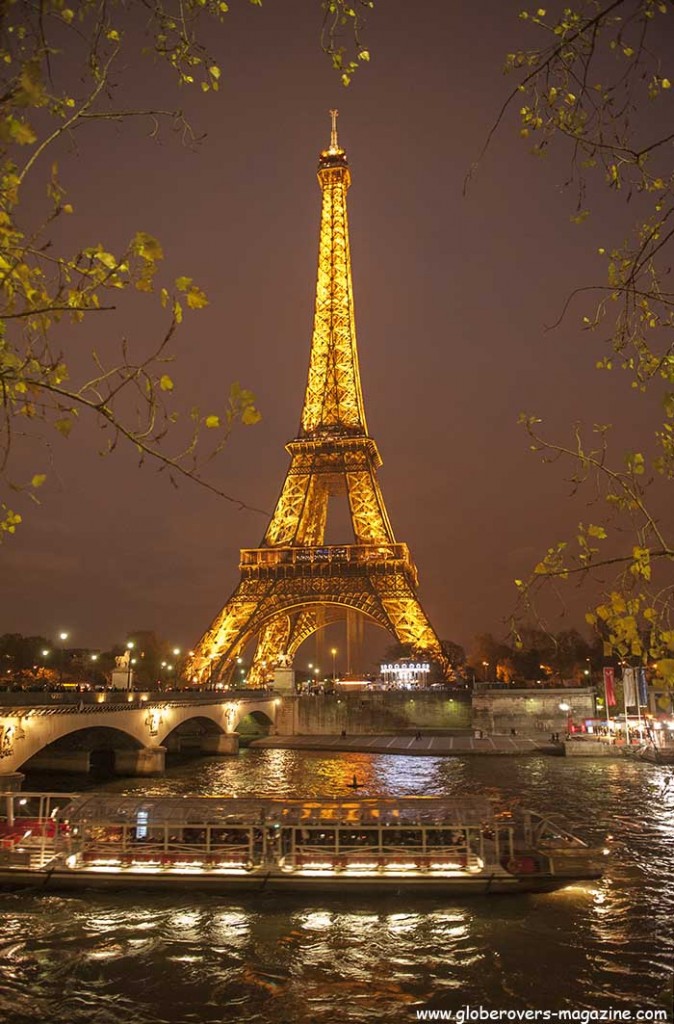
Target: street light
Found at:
129, 647
63, 636
333, 652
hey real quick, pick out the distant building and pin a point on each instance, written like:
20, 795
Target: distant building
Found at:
405, 673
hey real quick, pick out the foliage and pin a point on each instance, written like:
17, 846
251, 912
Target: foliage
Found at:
538, 654
60, 68
596, 82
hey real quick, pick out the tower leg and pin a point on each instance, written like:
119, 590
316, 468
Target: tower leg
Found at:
354, 640
407, 617
273, 641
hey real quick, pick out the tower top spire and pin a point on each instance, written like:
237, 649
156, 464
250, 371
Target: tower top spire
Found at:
334, 144
334, 155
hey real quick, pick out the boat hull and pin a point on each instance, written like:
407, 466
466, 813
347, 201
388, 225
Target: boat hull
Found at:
295, 882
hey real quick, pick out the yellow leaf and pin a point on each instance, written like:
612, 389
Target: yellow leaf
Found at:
38, 480
19, 131
212, 421
165, 382
250, 415
196, 299
64, 426
147, 247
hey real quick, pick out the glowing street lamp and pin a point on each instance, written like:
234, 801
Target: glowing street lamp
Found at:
333, 652
129, 661
63, 636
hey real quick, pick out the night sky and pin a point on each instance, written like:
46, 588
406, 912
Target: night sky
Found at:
453, 295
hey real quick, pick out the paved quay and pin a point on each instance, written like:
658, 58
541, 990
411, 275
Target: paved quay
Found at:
427, 746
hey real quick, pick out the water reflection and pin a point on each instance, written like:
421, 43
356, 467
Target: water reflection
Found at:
160, 959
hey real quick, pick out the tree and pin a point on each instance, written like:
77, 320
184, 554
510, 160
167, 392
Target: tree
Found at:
490, 658
60, 66
595, 82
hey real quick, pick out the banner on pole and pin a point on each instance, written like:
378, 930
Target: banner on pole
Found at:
609, 688
631, 697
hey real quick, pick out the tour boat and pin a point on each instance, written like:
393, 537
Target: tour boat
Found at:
419, 844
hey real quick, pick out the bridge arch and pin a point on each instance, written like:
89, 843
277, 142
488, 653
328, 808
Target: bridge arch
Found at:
141, 725
85, 749
254, 725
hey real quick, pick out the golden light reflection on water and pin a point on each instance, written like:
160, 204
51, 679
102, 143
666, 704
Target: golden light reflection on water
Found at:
595, 944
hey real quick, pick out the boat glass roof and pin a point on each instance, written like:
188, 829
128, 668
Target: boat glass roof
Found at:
192, 810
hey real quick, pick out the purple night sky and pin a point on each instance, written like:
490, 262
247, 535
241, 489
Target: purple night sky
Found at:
453, 294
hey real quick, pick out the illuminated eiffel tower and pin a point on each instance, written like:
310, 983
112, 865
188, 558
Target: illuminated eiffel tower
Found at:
293, 584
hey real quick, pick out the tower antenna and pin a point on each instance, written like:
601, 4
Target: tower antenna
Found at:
334, 144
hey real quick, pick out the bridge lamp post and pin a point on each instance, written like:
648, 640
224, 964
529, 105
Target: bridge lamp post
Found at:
130, 661
485, 665
62, 637
333, 652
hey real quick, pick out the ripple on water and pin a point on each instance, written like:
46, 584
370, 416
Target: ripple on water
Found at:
150, 959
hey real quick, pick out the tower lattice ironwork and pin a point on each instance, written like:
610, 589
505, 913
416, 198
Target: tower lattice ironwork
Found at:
294, 584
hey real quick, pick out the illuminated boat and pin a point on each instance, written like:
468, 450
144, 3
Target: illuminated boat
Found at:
102, 840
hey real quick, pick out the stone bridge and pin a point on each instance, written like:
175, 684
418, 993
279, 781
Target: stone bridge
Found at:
136, 732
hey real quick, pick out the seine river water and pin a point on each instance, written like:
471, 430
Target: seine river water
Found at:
184, 958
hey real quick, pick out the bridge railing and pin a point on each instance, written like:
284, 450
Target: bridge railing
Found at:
26, 710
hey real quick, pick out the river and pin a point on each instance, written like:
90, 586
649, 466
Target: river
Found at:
187, 958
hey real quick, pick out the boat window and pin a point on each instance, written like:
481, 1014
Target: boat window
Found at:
315, 837
403, 837
229, 836
446, 837
359, 837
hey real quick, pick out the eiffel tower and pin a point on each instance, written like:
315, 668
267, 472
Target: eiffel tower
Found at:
294, 584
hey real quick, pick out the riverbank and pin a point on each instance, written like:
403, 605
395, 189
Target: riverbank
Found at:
426, 745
